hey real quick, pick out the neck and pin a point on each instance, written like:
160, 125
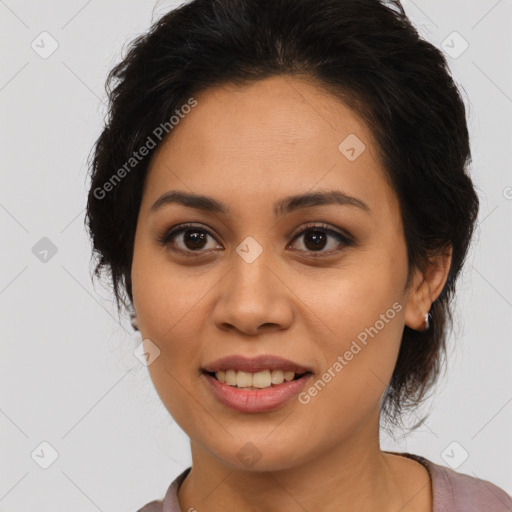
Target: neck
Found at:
352, 476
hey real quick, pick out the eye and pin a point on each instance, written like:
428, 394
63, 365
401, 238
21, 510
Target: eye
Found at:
194, 239
316, 238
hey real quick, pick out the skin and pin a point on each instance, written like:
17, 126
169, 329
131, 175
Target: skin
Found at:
248, 147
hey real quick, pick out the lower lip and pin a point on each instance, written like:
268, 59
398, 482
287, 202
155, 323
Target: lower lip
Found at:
263, 400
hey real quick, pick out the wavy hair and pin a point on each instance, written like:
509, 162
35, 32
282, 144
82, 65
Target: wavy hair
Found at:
370, 56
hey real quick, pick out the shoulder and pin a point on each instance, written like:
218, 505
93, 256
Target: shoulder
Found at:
153, 506
454, 492
170, 501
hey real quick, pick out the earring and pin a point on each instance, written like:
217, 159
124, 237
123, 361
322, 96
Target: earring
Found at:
133, 320
426, 320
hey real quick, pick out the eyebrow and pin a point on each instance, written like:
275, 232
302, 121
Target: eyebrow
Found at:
281, 207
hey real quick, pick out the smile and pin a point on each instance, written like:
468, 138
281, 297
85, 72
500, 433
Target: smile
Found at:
260, 380
255, 384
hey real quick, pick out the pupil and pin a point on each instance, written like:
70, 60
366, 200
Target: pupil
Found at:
318, 238
196, 237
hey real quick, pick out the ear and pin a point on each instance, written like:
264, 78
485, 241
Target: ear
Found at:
426, 287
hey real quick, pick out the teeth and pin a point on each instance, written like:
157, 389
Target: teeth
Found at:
260, 380
277, 377
230, 377
243, 379
288, 376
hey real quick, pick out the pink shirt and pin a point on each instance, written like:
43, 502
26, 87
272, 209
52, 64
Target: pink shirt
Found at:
452, 492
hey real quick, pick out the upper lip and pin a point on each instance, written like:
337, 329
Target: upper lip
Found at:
255, 364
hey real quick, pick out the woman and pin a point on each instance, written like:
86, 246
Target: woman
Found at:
280, 193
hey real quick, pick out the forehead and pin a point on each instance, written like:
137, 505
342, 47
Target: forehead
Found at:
274, 137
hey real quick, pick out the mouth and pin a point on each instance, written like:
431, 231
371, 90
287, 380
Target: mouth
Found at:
258, 384
256, 381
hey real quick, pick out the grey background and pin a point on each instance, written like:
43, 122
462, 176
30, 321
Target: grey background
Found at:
67, 372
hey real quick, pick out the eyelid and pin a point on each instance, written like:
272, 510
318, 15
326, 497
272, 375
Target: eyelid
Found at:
345, 238
321, 226
167, 234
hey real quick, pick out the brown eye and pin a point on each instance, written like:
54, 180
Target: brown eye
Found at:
186, 239
316, 238
192, 240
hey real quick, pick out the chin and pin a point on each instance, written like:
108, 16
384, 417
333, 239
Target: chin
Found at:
259, 461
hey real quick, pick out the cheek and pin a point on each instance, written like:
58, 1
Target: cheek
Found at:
359, 363
162, 295
363, 301
169, 312
363, 311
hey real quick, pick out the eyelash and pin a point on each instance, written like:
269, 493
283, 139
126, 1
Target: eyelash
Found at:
167, 236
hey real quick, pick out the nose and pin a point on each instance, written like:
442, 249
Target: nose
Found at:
253, 298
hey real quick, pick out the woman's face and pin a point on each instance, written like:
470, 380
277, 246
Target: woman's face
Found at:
250, 281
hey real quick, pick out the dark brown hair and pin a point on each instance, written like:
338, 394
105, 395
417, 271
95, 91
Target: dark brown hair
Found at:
365, 51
